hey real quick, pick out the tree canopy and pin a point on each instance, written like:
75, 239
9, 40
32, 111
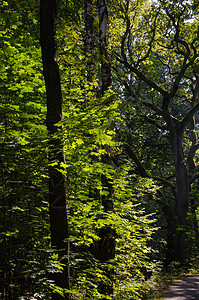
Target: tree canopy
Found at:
98, 146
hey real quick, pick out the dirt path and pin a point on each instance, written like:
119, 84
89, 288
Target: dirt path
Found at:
184, 289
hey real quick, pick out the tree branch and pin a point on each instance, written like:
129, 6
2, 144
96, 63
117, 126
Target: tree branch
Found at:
189, 115
150, 43
149, 120
166, 65
193, 178
185, 64
153, 107
191, 155
134, 157
142, 170
134, 69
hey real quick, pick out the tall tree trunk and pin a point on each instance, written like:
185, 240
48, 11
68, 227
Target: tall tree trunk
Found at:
175, 241
89, 39
103, 30
57, 184
182, 202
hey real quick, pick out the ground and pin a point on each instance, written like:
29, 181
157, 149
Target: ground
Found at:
184, 289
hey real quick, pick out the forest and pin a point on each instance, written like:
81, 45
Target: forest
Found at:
99, 140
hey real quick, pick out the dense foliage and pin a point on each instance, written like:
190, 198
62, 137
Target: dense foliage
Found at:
130, 148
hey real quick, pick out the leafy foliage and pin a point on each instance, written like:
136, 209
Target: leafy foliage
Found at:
94, 131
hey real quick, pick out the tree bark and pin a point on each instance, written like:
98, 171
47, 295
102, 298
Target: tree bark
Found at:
89, 39
57, 183
175, 240
182, 182
103, 33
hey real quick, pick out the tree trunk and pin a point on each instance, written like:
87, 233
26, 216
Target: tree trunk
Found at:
89, 40
182, 185
181, 209
103, 30
175, 240
57, 184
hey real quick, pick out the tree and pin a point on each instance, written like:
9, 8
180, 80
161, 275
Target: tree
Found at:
57, 181
172, 53
121, 138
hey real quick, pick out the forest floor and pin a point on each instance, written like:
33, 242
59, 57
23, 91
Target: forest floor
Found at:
183, 289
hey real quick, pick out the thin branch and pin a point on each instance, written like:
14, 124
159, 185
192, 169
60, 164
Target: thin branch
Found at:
150, 43
149, 120
192, 44
134, 157
163, 46
184, 122
164, 205
193, 178
135, 70
186, 55
129, 90
166, 65
142, 170
191, 155
165, 182
178, 78
176, 37
153, 107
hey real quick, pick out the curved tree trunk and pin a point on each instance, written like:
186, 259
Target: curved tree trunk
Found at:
57, 184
